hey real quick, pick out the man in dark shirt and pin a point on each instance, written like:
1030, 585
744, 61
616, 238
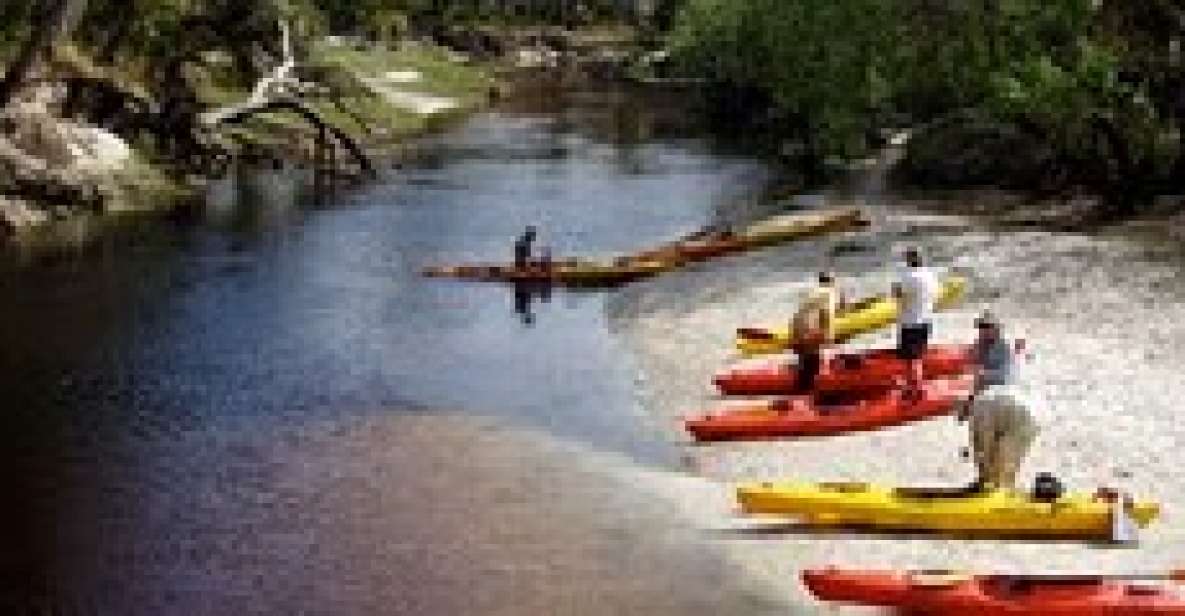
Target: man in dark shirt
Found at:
522, 248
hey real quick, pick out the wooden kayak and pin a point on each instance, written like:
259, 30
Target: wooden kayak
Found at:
806, 416
866, 370
583, 272
869, 314
958, 512
577, 273
948, 593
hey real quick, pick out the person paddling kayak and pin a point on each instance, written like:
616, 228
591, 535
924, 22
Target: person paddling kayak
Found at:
522, 248
916, 291
1002, 425
814, 328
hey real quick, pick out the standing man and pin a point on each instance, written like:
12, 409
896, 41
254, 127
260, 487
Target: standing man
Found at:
522, 248
813, 327
916, 292
1002, 427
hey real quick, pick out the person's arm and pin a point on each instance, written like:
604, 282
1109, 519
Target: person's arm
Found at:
976, 386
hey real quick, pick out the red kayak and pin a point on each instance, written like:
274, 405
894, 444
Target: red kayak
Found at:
806, 416
869, 370
992, 595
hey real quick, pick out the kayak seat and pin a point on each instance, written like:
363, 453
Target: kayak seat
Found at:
851, 362
844, 487
862, 304
933, 493
754, 333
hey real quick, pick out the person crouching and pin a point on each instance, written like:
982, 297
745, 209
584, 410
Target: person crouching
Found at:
1002, 426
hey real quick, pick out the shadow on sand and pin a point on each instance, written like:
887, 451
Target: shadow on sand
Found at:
786, 530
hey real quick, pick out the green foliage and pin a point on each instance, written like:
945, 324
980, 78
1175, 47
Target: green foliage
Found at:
14, 26
822, 62
1094, 83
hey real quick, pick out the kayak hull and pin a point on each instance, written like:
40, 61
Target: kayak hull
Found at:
999, 512
569, 274
928, 594
867, 315
869, 370
802, 417
648, 263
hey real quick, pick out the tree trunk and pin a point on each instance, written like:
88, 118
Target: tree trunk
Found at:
1178, 173
1123, 192
125, 13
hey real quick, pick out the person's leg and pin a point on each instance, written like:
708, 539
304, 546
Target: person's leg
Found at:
1017, 433
912, 348
903, 342
981, 429
919, 352
809, 363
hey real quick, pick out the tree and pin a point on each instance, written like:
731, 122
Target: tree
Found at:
50, 21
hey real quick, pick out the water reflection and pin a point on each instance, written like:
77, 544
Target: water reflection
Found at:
525, 294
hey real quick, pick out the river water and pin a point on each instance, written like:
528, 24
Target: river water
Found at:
263, 408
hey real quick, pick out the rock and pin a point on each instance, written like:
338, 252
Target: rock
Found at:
16, 214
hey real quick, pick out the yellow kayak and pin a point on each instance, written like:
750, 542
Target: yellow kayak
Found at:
867, 315
799, 225
951, 511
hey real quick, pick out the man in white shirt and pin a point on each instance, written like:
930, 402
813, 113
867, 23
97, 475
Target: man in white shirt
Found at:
916, 292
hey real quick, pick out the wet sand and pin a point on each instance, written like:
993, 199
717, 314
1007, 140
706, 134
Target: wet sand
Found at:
392, 514
1104, 319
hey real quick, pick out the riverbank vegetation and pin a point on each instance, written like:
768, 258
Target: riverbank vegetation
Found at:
1047, 95
127, 104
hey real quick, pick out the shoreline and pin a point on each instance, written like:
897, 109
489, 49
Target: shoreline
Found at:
1106, 342
429, 90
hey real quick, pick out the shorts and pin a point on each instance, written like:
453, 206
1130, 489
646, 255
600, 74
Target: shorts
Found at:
912, 340
810, 362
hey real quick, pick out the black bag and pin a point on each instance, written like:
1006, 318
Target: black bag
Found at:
1047, 488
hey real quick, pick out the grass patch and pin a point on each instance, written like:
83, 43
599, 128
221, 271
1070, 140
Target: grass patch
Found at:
350, 104
441, 75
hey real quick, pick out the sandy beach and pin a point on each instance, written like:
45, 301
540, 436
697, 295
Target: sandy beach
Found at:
1103, 319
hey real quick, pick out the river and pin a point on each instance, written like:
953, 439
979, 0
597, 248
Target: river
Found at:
263, 408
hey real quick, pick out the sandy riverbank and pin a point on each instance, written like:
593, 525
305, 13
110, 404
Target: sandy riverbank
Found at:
1102, 315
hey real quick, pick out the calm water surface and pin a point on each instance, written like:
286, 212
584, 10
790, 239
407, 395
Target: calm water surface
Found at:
129, 372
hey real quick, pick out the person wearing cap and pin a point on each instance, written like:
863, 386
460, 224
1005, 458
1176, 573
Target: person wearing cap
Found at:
916, 291
1002, 425
813, 327
522, 248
